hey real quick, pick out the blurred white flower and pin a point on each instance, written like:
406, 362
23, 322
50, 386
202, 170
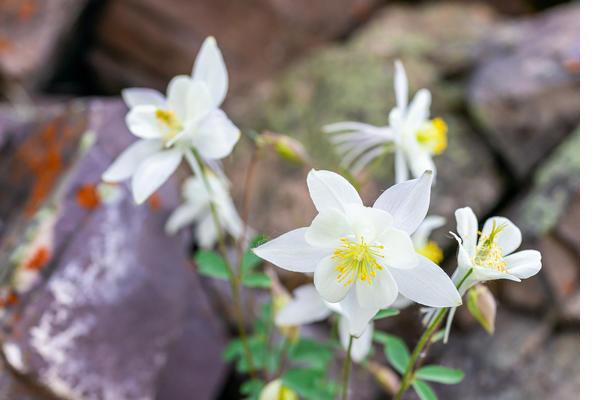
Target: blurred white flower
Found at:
362, 257
307, 307
197, 198
275, 390
420, 238
490, 253
189, 118
413, 136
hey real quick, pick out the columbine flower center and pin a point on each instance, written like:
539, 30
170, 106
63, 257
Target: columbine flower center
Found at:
432, 136
357, 260
488, 253
169, 122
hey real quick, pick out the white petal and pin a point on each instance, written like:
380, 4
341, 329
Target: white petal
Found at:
487, 274
524, 264
330, 190
142, 96
198, 101
210, 68
427, 284
398, 250
380, 293
417, 112
306, 307
327, 229
326, 281
142, 122
400, 167
360, 345
368, 223
420, 162
153, 172
291, 252
130, 159
400, 85
408, 202
358, 316
429, 224
177, 94
466, 225
183, 215
216, 136
449, 320
231, 219
396, 122
206, 232
401, 302
509, 238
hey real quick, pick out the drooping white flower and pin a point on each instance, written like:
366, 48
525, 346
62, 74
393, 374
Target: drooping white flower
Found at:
490, 253
413, 136
362, 257
170, 128
307, 307
196, 209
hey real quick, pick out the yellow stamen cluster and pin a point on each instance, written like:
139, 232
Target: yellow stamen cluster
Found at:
433, 136
488, 253
357, 260
432, 251
171, 123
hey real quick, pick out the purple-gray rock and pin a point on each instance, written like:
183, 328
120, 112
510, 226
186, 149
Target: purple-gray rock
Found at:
525, 90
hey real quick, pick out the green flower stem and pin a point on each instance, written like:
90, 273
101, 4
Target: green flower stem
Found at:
234, 281
409, 374
346, 369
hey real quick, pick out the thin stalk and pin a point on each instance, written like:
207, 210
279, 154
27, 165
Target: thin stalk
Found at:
346, 369
409, 375
200, 169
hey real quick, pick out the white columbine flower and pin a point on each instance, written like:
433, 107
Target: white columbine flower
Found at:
414, 137
420, 238
307, 307
362, 257
490, 253
196, 209
188, 119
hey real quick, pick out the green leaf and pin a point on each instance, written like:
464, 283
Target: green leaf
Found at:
250, 260
440, 374
257, 280
211, 264
396, 351
308, 383
386, 312
251, 389
424, 391
233, 350
314, 353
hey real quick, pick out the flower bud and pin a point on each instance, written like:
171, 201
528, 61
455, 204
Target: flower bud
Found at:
482, 305
385, 377
276, 391
286, 147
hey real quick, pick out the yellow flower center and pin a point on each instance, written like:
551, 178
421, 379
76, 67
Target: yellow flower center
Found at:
357, 260
432, 136
169, 121
488, 253
432, 251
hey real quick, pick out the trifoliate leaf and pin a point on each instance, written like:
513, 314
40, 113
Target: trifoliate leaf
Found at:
211, 264
395, 349
440, 374
424, 391
386, 312
251, 389
310, 384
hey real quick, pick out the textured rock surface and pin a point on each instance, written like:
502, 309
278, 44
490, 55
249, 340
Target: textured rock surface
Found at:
525, 90
148, 42
104, 314
31, 35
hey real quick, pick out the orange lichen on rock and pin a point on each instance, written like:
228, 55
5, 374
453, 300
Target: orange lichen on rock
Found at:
39, 259
10, 299
5, 45
155, 202
88, 197
27, 9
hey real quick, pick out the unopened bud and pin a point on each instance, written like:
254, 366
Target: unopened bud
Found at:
482, 305
275, 390
286, 147
385, 377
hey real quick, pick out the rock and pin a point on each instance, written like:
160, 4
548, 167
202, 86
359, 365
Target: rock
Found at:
568, 228
355, 82
32, 35
525, 90
148, 42
514, 354
107, 304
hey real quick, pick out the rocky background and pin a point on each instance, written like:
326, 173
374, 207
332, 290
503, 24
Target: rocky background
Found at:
97, 303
